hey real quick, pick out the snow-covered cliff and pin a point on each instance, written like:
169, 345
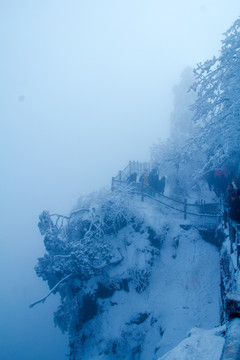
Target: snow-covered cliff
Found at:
134, 286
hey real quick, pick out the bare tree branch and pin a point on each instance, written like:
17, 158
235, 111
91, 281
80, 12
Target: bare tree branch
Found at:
52, 290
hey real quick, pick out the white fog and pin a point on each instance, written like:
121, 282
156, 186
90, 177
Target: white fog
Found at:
86, 86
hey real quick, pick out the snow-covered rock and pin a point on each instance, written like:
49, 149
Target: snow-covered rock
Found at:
199, 345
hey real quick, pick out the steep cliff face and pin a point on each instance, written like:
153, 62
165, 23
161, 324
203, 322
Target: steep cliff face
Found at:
176, 290
230, 279
136, 282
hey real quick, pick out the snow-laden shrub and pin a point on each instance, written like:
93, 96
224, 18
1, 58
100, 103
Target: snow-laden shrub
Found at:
105, 247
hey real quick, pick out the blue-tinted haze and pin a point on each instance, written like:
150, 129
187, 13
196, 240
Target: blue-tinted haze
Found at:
86, 86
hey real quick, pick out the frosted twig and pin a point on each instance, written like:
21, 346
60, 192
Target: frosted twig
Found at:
52, 290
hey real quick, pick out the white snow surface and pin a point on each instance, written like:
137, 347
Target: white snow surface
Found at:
183, 293
185, 286
199, 345
185, 290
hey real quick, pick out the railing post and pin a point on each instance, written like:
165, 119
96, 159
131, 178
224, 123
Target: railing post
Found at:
130, 168
185, 209
237, 236
225, 217
135, 169
238, 254
142, 191
231, 236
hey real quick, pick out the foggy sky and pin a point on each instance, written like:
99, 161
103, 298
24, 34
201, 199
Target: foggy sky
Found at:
86, 86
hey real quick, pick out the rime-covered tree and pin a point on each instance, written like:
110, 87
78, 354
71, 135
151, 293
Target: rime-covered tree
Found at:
211, 139
217, 107
168, 155
90, 255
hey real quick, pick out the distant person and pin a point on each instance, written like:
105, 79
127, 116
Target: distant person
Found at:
153, 180
234, 213
234, 184
231, 196
228, 201
161, 185
210, 180
144, 178
217, 182
132, 178
220, 183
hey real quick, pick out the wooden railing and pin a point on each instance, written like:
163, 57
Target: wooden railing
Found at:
132, 167
211, 214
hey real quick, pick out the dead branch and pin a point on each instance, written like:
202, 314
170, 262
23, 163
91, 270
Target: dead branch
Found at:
52, 290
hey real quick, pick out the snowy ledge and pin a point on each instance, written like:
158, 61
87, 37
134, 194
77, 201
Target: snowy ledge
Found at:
200, 344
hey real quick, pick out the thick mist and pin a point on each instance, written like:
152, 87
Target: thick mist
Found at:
86, 86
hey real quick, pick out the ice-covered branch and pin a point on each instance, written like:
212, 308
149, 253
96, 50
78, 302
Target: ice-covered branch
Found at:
52, 290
